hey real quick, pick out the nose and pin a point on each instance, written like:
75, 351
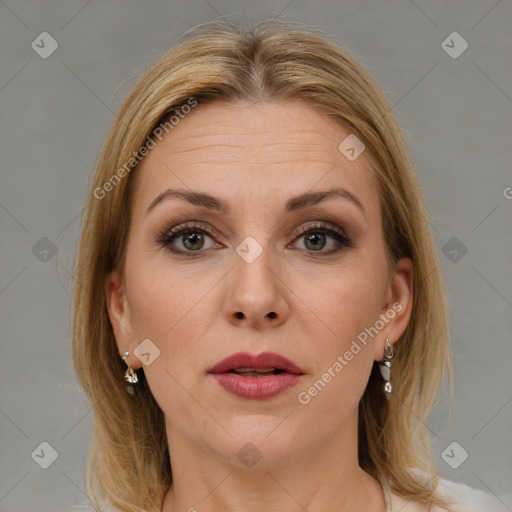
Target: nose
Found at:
256, 295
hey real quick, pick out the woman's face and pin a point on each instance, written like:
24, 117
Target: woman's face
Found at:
259, 270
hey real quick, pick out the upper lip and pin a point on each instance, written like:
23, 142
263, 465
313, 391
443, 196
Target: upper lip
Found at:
259, 361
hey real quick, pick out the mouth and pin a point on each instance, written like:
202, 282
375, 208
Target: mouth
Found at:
254, 366
256, 372
256, 377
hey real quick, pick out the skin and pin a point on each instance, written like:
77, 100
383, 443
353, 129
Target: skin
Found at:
255, 157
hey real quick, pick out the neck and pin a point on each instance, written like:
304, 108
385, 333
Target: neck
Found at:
326, 477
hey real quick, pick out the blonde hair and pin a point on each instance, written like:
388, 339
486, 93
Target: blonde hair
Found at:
129, 455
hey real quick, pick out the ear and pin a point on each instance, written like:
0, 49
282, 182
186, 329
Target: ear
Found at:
398, 306
120, 317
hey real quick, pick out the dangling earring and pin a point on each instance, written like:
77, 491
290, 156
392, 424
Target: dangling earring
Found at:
385, 367
130, 374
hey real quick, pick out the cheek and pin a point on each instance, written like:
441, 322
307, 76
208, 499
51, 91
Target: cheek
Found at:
166, 309
163, 298
174, 309
342, 352
340, 305
337, 322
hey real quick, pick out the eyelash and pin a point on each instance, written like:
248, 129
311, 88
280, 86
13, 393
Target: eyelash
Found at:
166, 237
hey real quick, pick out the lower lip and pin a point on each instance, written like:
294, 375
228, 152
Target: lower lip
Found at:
256, 388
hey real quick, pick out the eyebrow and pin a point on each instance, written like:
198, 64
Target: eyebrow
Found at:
219, 206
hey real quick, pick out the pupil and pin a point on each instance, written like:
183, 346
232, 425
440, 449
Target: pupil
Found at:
194, 238
315, 238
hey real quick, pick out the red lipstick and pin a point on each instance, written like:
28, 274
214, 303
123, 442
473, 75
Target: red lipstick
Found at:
256, 376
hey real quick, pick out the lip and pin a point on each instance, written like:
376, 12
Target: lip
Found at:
256, 388
263, 360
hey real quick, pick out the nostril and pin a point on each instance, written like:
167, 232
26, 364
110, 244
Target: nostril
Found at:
272, 314
239, 315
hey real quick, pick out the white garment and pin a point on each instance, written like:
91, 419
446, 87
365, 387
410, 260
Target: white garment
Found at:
474, 500
465, 498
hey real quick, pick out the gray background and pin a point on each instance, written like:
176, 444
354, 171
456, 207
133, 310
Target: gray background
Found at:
55, 113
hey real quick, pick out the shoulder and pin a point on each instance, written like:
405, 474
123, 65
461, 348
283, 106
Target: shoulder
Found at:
462, 497
468, 499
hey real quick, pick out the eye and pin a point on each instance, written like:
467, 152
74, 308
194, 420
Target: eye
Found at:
193, 237
316, 237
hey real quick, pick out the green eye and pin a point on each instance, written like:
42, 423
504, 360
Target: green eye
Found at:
193, 236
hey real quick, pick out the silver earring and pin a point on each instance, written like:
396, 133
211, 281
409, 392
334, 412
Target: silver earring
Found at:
385, 367
130, 374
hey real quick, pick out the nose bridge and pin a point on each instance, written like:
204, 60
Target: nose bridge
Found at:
256, 292
253, 274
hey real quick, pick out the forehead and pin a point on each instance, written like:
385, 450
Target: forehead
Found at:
240, 151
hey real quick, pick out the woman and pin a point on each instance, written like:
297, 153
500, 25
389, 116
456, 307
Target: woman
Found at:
257, 262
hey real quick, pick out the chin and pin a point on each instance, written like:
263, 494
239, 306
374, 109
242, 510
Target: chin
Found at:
269, 445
